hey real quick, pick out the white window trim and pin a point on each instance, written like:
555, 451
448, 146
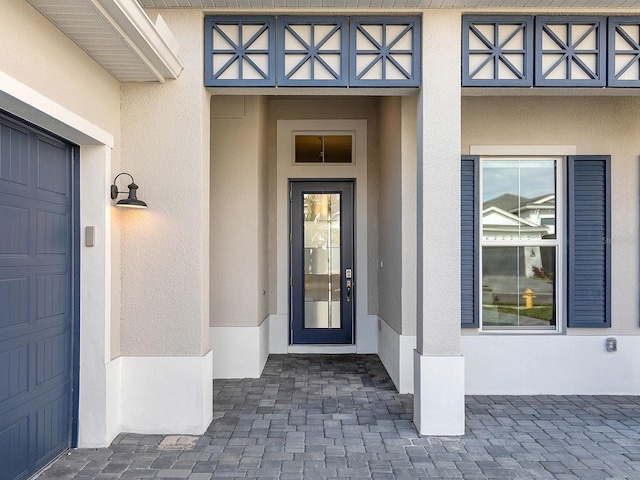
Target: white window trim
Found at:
530, 153
523, 150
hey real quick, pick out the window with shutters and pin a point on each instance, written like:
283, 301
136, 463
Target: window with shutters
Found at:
535, 249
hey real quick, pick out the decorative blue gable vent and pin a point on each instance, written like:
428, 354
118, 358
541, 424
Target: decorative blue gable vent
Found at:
498, 51
312, 51
570, 51
624, 52
385, 51
239, 51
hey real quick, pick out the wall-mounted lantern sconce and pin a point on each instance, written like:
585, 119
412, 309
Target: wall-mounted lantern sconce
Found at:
132, 200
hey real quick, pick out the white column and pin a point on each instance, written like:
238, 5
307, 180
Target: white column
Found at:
99, 379
438, 364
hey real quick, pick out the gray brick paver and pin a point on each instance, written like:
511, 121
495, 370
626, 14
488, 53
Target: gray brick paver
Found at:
339, 416
174, 473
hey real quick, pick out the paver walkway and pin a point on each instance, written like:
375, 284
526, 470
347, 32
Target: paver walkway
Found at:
339, 416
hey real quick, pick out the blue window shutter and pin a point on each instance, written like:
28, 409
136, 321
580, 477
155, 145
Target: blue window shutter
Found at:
469, 238
589, 245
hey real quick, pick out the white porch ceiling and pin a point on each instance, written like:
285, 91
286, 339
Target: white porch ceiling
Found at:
117, 34
413, 4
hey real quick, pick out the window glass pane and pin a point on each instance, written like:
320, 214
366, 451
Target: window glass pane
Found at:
308, 148
519, 199
322, 260
337, 149
323, 149
518, 287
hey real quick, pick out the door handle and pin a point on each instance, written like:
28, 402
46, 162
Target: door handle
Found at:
348, 290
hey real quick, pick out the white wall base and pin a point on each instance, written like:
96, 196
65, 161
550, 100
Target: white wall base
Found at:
100, 400
166, 394
366, 333
264, 332
278, 333
439, 395
396, 353
114, 409
239, 352
550, 365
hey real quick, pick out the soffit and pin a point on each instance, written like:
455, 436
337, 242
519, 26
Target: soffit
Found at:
412, 4
115, 33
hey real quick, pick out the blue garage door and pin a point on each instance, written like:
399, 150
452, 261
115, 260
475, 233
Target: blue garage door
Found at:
36, 292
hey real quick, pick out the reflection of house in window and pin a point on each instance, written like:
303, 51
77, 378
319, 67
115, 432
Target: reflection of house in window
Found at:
519, 243
540, 210
512, 217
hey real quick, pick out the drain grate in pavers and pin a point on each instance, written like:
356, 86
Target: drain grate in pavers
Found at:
178, 442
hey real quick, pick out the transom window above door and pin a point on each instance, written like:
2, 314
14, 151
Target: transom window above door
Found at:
323, 148
302, 51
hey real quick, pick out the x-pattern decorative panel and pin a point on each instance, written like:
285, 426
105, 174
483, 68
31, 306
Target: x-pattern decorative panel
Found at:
624, 51
313, 51
385, 51
570, 51
241, 51
498, 51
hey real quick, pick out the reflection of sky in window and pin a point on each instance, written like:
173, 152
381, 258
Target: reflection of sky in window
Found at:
526, 178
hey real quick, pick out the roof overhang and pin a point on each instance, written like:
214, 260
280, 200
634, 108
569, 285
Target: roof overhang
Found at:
487, 5
117, 34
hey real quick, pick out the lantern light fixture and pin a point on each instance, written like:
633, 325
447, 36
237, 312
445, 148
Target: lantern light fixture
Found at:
132, 200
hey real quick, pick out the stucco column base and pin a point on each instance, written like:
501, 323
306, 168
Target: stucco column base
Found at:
438, 398
166, 394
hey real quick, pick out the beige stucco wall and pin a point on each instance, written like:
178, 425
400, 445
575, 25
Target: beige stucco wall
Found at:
263, 286
397, 213
308, 108
595, 125
165, 249
438, 225
409, 162
239, 220
390, 217
37, 54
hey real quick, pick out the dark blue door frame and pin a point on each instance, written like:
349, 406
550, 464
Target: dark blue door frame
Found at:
342, 277
75, 295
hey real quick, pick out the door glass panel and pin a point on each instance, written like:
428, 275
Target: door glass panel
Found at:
322, 260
